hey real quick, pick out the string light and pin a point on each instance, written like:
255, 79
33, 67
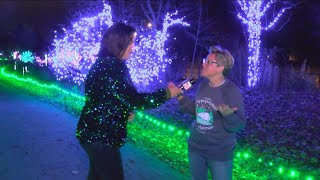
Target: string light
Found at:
3, 58
253, 13
149, 58
27, 56
16, 55
75, 53
43, 62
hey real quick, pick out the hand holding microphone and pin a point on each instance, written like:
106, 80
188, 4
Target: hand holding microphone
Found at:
177, 91
186, 84
174, 90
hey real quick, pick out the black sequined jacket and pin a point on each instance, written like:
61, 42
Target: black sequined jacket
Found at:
110, 97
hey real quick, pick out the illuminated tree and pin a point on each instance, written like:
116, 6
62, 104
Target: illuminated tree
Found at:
149, 59
76, 51
74, 54
254, 12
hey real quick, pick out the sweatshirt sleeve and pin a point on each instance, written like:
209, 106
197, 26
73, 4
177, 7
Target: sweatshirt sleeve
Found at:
236, 121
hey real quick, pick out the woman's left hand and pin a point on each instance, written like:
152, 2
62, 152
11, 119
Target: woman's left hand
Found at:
225, 110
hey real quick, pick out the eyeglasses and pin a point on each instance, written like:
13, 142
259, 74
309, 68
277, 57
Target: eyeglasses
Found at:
207, 61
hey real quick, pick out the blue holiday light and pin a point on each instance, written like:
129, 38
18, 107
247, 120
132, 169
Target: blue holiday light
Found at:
27, 56
253, 15
76, 51
149, 59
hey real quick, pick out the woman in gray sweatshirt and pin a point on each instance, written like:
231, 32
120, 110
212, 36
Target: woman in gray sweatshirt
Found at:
218, 108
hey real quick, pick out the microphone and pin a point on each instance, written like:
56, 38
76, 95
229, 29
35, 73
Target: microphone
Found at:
187, 84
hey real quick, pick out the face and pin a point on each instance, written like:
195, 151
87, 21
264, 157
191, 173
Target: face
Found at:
129, 49
210, 68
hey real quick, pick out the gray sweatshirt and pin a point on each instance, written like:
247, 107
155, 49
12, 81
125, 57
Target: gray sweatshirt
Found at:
212, 135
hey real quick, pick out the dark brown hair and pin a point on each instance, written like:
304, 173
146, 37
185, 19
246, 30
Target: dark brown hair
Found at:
116, 40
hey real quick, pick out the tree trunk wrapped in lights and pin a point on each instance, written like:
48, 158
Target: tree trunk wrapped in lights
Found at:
254, 11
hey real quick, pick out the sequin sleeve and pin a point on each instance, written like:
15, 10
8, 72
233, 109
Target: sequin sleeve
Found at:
125, 91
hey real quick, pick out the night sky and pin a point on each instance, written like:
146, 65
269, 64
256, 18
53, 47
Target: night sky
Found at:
301, 33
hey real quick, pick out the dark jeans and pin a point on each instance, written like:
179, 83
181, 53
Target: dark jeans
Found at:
105, 162
220, 170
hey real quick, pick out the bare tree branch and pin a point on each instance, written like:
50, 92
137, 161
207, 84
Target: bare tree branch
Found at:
145, 12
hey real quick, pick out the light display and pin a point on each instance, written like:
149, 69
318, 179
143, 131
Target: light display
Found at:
169, 142
74, 54
253, 16
16, 55
2, 58
27, 56
76, 51
43, 62
149, 58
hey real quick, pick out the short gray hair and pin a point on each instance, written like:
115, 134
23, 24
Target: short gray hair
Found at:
223, 58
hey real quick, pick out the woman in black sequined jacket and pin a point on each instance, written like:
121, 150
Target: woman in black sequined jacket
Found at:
110, 98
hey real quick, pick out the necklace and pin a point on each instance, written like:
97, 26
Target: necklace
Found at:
212, 85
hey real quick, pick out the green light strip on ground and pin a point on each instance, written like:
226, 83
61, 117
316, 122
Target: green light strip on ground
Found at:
41, 85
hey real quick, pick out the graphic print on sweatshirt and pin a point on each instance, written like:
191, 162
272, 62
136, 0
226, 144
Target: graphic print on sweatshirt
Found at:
204, 110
